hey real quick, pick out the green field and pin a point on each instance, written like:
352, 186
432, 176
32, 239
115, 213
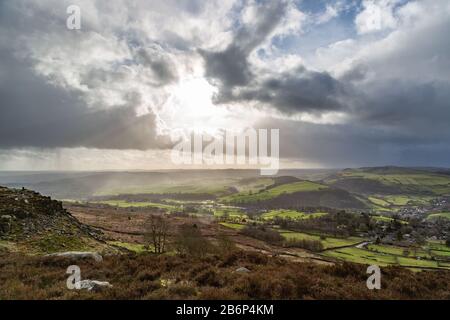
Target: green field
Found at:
235, 226
254, 185
399, 251
361, 256
409, 181
126, 204
327, 243
444, 215
411, 177
230, 211
437, 245
212, 187
398, 200
411, 262
134, 247
291, 214
393, 203
268, 194
439, 253
384, 255
387, 219
379, 202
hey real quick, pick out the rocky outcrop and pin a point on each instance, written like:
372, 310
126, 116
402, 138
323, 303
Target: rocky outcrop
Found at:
42, 225
242, 270
26, 213
93, 285
78, 255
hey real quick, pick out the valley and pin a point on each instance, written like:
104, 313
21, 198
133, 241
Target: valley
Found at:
399, 219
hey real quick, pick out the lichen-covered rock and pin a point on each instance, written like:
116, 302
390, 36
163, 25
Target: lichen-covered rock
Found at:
19, 213
242, 270
5, 224
93, 285
78, 255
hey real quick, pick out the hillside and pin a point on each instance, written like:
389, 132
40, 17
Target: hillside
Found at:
285, 193
152, 277
391, 181
204, 252
34, 224
88, 184
380, 189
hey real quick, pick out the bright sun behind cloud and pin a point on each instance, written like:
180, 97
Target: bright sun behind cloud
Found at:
191, 108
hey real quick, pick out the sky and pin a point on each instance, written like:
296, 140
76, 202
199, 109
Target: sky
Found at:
348, 83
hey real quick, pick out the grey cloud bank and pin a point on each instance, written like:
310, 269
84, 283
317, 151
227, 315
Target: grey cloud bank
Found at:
37, 114
382, 97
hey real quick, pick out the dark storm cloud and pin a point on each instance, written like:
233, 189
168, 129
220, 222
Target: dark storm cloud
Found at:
297, 91
355, 74
393, 115
394, 122
300, 90
163, 68
356, 144
35, 113
420, 108
231, 67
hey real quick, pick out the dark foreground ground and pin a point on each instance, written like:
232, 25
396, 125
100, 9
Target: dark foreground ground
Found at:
148, 276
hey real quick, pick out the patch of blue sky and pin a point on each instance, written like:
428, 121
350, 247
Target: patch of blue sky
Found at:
316, 7
316, 35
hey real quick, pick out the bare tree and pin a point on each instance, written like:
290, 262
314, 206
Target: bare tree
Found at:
156, 230
190, 241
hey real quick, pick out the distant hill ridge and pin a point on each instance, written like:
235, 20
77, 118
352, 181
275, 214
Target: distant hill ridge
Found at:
391, 180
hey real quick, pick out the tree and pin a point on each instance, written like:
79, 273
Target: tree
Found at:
225, 244
156, 230
399, 235
190, 241
420, 240
447, 242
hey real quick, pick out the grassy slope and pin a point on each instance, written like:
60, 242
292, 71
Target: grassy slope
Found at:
388, 189
291, 214
230, 211
407, 181
219, 188
379, 202
399, 251
361, 256
387, 219
235, 226
395, 176
253, 185
328, 242
392, 255
248, 197
126, 204
444, 215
